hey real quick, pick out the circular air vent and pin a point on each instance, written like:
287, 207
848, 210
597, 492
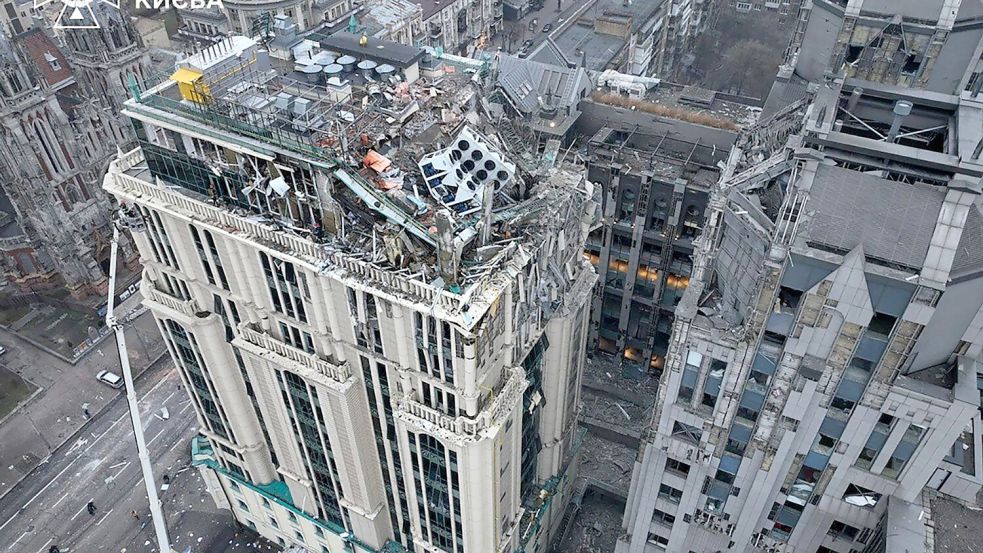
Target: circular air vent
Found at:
481, 174
463, 144
477, 155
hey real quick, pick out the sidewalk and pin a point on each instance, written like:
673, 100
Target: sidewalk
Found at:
56, 413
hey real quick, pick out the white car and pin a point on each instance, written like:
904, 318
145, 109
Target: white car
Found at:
110, 379
3, 350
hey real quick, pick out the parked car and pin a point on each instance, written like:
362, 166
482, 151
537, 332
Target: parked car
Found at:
532, 26
523, 52
3, 350
527, 44
110, 379
548, 27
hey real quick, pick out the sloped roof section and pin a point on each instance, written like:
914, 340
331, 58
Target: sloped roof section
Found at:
549, 53
893, 221
45, 56
969, 254
526, 81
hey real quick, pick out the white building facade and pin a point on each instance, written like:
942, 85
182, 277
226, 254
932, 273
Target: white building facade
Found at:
343, 403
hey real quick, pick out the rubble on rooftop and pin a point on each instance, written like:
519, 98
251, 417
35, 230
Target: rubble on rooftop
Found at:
424, 185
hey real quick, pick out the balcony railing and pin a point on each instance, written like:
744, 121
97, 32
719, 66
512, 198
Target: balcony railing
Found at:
466, 428
136, 188
188, 308
339, 372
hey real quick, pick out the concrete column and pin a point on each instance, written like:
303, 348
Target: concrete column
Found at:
352, 438
230, 388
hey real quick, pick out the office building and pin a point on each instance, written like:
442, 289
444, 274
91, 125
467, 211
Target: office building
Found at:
379, 319
821, 377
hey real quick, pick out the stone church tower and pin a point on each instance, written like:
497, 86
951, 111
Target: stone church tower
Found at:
59, 127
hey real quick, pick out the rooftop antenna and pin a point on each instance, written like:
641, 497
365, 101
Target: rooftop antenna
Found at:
125, 218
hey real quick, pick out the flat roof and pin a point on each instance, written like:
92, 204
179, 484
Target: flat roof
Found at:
379, 50
893, 221
600, 48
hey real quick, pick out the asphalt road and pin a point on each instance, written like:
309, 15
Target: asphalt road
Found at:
49, 506
548, 14
30, 434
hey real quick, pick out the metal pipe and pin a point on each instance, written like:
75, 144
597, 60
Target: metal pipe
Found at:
156, 514
854, 98
902, 109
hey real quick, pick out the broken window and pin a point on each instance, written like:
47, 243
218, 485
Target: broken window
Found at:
715, 377
861, 497
687, 433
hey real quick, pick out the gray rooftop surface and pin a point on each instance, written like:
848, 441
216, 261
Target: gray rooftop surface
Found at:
528, 80
969, 254
382, 51
893, 221
430, 7
600, 48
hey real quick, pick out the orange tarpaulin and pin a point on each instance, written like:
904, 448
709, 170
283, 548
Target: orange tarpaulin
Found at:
376, 161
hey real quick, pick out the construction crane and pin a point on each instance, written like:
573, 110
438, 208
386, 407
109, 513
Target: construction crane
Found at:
127, 219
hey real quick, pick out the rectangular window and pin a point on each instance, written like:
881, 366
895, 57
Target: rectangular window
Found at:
687, 433
159, 240
678, 467
842, 531
663, 518
216, 260
861, 497
297, 338
670, 494
282, 279
200, 248
691, 373
875, 442
711, 388
904, 451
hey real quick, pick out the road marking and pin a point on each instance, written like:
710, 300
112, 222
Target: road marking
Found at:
156, 436
31, 500
127, 413
185, 408
176, 444
26, 532
104, 517
43, 550
59, 501
69, 465
167, 398
120, 470
80, 510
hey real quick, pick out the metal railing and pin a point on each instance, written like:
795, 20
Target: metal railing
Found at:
339, 372
188, 308
464, 427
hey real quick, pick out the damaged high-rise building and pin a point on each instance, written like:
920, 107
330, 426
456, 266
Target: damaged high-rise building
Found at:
821, 379
58, 133
379, 316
